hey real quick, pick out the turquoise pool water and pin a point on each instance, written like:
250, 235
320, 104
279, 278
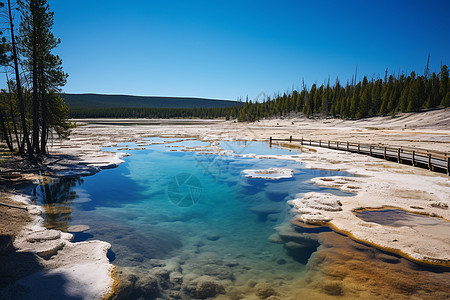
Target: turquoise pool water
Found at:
197, 210
255, 147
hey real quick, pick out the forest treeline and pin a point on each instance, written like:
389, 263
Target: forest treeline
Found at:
366, 98
393, 94
31, 109
157, 113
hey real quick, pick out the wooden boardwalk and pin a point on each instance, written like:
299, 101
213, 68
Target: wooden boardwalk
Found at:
436, 161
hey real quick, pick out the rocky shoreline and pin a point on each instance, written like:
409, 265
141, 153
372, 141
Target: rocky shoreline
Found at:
82, 268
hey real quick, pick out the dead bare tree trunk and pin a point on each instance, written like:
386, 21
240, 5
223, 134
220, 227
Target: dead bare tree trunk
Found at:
19, 86
13, 118
44, 126
5, 132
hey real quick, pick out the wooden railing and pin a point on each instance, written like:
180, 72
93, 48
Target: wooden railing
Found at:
437, 161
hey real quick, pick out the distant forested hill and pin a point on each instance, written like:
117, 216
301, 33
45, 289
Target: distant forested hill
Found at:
124, 106
88, 101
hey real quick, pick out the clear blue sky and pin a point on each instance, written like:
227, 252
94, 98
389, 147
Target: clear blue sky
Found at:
227, 49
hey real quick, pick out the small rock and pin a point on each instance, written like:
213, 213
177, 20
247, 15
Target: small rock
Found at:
45, 235
67, 236
232, 264
333, 289
78, 228
132, 286
388, 258
315, 218
199, 244
264, 291
441, 205
161, 273
416, 207
204, 287
148, 287
275, 238
273, 217
294, 245
48, 249
318, 201
213, 237
176, 278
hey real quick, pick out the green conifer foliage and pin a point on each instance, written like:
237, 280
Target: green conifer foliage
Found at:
443, 85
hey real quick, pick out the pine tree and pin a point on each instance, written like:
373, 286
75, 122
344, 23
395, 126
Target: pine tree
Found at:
366, 103
355, 101
5, 47
394, 96
435, 97
446, 101
376, 97
307, 108
45, 69
403, 103
416, 95
443, 88
20, 96
386, 93
317, 100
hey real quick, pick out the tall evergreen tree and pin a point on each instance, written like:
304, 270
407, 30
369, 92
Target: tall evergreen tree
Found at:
366, 102
355, 101
416, 95
21, 100
45, 69
403, 102
376, 97
443, 88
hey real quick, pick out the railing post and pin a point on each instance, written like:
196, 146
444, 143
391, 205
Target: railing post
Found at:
445, 157
290, 139
448, 165
270, 140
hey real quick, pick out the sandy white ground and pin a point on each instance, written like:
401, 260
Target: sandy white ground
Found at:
380, 183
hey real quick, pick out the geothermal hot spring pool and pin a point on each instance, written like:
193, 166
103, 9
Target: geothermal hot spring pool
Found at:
184, 216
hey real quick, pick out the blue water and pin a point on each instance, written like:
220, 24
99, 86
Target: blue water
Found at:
400, 218
258, 148
188, 207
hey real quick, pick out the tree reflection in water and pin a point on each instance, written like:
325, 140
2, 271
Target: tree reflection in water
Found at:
56, 197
